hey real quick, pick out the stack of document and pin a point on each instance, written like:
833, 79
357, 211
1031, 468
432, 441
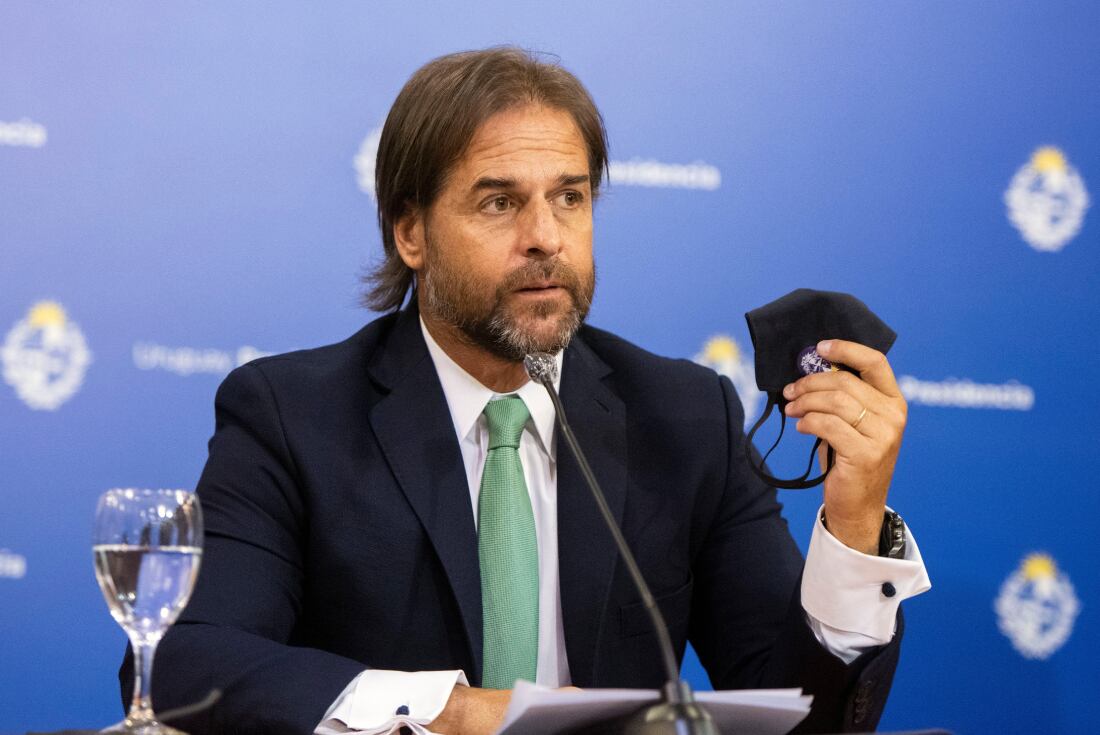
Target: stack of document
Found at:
538, 710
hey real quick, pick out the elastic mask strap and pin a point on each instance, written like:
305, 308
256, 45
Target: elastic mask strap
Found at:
798, 483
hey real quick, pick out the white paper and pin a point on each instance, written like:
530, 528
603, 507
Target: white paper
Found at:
538, 710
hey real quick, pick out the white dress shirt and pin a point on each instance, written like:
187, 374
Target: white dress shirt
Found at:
841, 588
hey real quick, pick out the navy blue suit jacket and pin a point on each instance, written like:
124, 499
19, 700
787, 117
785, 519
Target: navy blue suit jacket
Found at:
340, 536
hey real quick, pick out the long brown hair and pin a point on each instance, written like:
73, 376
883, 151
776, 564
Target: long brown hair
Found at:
433, 120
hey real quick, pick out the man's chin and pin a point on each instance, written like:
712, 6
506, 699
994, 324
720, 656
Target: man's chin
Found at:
546, 327
524, 334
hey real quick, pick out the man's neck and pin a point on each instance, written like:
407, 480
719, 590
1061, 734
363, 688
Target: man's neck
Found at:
492, 371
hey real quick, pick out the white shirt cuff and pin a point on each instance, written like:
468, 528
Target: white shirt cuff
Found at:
380, 702
847, 591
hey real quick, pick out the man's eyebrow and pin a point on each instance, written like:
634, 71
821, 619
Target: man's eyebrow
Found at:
490, 182
494, 182
572, 180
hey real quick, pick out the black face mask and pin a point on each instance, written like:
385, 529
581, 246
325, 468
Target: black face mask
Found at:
784, 335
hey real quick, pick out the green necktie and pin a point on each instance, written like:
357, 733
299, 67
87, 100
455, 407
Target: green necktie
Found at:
508, 552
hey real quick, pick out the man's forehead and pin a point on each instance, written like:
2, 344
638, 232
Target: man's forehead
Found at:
523, 142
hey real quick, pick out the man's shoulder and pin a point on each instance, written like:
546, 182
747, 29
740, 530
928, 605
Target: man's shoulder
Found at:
637, 367
662, 392
326, 363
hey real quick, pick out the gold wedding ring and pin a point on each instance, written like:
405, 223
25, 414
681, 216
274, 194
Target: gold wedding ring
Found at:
857, 422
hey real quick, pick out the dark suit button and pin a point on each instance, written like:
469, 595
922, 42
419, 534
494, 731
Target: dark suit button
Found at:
863, 699
888, 589
402, 710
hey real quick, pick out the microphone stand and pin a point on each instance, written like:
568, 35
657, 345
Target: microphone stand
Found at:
678, 713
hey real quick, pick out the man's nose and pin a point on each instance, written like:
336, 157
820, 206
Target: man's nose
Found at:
540, 231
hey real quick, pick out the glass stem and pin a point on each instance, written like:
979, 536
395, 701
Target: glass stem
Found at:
141, 708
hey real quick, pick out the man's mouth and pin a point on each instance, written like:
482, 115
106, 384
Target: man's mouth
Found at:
540, 287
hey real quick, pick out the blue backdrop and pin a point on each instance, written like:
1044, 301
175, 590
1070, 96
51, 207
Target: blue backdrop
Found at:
180, 189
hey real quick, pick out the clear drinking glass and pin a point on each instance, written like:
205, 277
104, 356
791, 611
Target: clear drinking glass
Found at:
147, 546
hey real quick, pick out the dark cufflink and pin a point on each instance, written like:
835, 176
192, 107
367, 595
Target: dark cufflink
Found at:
404, 709
888, 589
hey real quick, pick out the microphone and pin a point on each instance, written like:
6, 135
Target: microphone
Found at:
678, 713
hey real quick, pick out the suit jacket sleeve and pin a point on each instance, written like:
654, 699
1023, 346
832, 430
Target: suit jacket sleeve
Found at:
237, 634
748, 625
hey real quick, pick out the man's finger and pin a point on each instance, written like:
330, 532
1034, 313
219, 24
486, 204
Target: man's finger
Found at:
841, 380
839, 433
839, 404
871, 364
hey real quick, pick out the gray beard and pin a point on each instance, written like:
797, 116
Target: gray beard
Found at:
448, 299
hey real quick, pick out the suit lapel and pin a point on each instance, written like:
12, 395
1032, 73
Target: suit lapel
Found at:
414, 429
586, 551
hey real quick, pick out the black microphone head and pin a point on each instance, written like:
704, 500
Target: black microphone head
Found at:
541, 367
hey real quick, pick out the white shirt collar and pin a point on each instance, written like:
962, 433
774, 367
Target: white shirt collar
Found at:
466, 397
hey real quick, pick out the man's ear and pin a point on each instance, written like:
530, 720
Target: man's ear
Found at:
408, 236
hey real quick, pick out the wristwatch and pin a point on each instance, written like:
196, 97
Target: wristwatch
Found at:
891, 542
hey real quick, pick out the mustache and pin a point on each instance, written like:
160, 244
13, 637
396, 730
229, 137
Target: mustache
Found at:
537, 272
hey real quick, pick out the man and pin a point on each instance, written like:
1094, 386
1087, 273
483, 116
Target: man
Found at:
397, 503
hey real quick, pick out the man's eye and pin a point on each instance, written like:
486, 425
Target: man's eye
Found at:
498, 204
572, 198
